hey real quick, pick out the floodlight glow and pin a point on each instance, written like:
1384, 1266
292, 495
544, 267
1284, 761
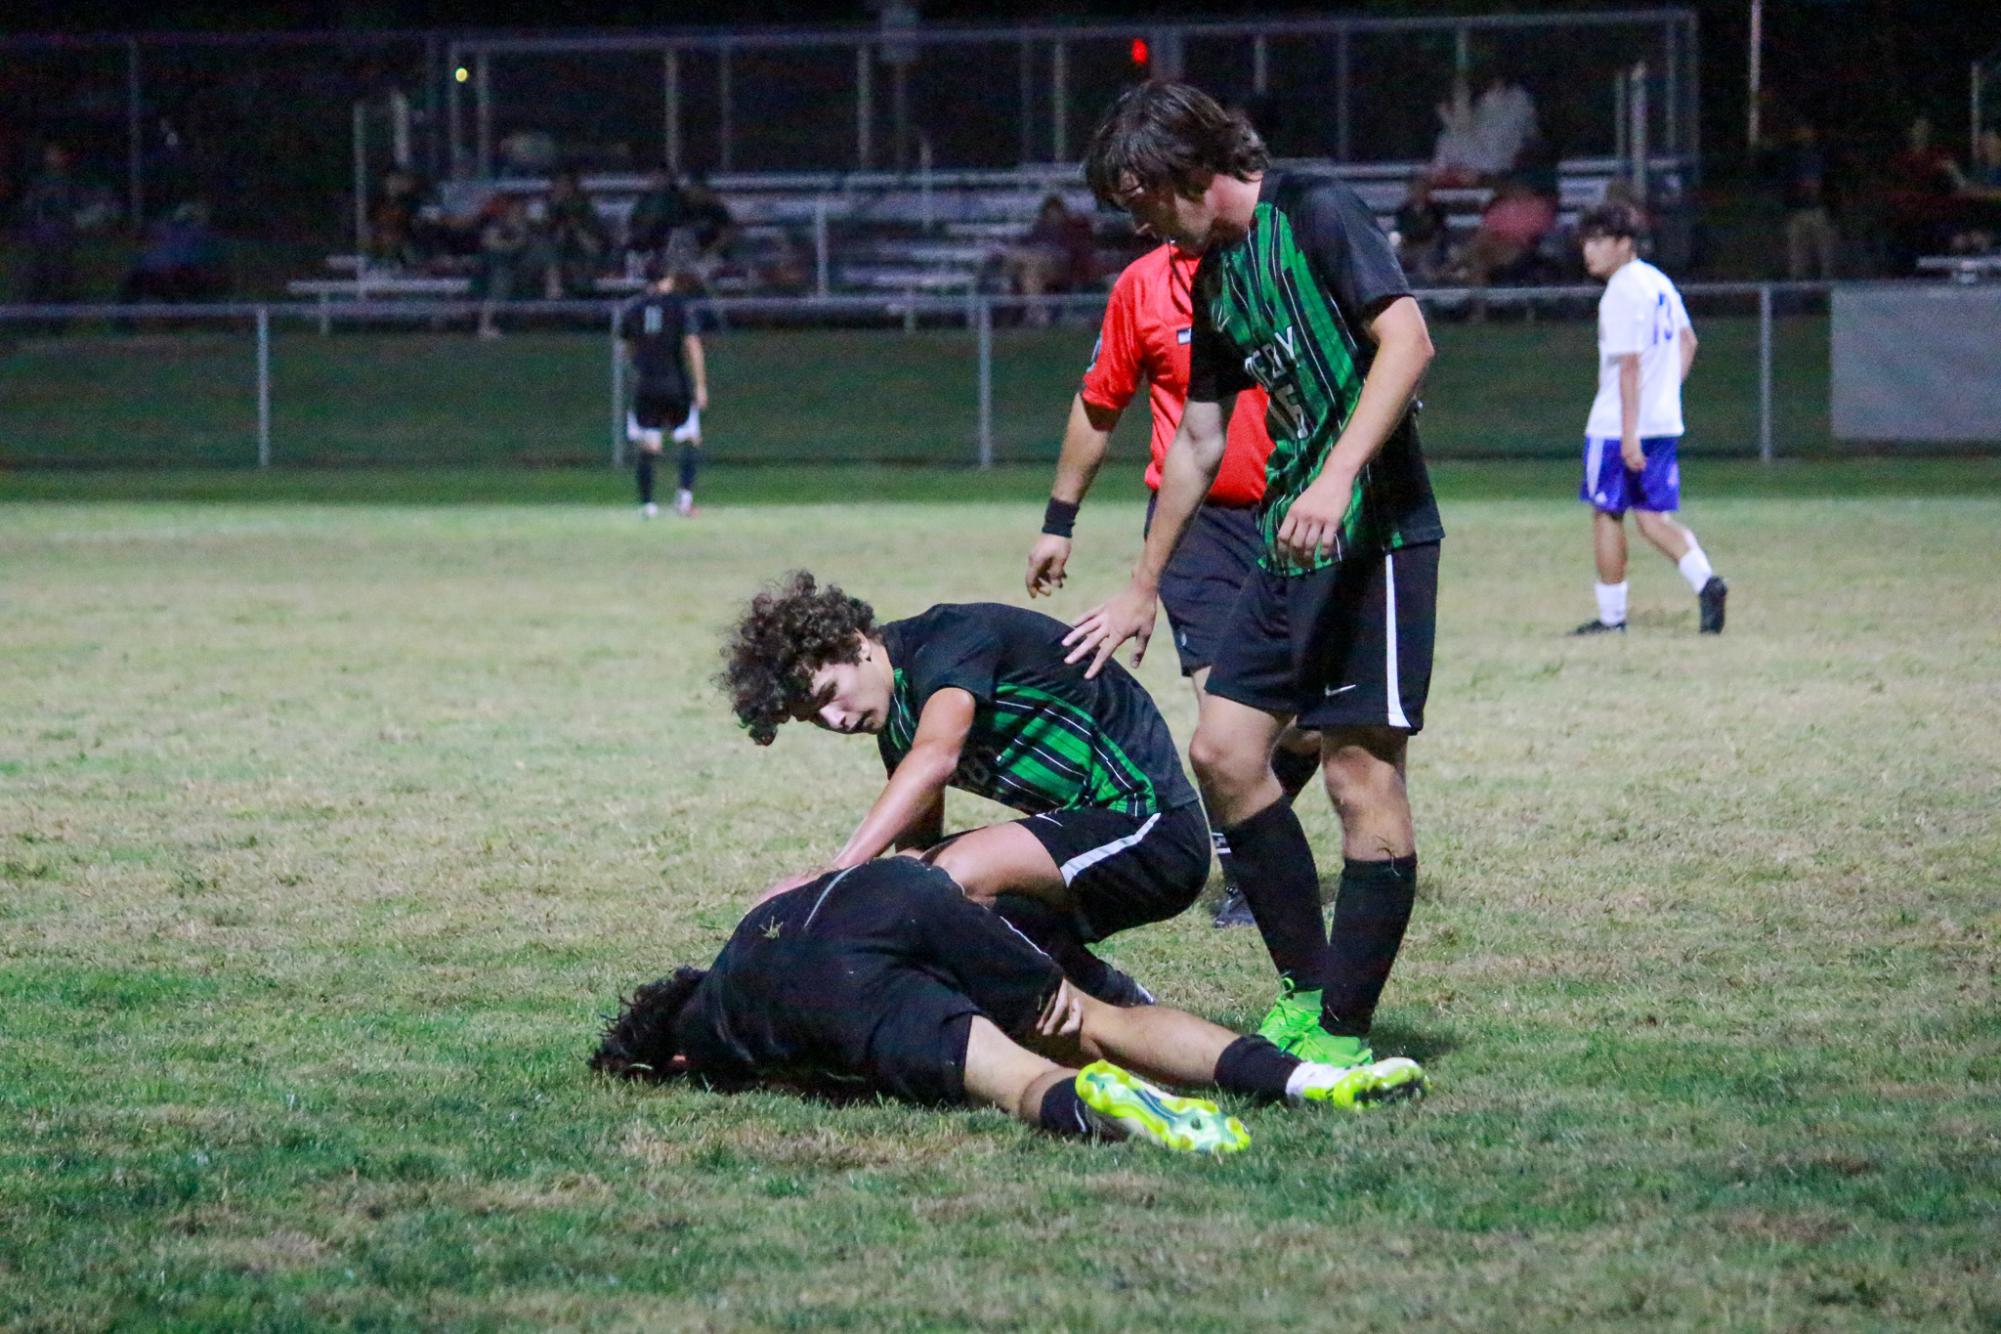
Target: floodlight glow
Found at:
461, 74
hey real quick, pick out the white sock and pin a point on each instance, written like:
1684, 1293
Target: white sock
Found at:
1297, 1080
1611, 602
1694, 566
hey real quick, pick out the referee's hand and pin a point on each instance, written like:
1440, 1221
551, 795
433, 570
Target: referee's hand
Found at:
1046, 561
1097, 634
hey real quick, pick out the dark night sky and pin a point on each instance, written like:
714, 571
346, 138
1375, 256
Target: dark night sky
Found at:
1857, 62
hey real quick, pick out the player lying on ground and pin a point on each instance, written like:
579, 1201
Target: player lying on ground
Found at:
885, 978
977, 696
1145, 336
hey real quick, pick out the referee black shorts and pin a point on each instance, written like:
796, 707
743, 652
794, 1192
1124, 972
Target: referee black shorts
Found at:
1345, 646
1208, 570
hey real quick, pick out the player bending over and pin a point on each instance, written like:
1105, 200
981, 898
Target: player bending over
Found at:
657, 338
977, 696
1645, 348
885, 977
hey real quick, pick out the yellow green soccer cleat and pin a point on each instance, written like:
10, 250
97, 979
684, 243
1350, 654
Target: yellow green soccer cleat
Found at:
1125, 1106
1291, 1016
1358, 1087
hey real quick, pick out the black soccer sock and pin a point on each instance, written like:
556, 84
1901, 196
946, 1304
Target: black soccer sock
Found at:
1055, 933
1276, 872
1064, 1113
1370, 915
688, 453
1295, 769
1225, 859
1254, 1067
645, 477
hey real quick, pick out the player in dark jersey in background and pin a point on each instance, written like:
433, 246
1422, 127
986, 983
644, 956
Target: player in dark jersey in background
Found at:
978, 697
1299, 292
1145, 336
884, 977
656, 335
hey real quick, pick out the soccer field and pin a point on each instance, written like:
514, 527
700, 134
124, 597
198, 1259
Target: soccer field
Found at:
332, 817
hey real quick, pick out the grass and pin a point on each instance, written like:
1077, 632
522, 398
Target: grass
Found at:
183, 397
330, 823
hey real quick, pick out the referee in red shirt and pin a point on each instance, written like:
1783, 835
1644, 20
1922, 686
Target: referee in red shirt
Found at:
1146, 335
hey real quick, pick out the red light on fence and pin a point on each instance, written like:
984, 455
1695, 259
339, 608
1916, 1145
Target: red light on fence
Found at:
1140, 53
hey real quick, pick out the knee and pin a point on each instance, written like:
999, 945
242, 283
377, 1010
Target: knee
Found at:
1222, 769
965, 872
1360, 780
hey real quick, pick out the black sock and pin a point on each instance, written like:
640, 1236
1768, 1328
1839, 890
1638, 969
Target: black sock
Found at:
645, 477
1255, 1067
1054, 932
1064, 1113
1370, 915
1276, 872
1224, 858
1295, 769
687, 467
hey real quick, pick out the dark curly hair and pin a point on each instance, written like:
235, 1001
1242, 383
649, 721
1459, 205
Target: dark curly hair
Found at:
1170, 134
793, 629
639, 1043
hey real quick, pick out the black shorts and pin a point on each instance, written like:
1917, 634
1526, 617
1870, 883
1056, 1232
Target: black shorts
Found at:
658, 412
890, 973
1126, 870
1199, 587
1347, 646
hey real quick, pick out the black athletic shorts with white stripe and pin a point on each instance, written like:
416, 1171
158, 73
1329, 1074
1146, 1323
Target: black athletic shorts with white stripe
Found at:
1204, 576
1345, 646
1126, 870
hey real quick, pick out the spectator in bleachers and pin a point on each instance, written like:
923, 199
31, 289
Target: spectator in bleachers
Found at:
1811, 239
1512, 227
654, 216
46, 221
179, 259
1979, 196
398, 231
1918, 200
1421, 235
1057, 254
505, 236
1482, 138
574, 240
704, 230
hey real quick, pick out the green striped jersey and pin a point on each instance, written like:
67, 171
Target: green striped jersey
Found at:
1043, 737
1287, 308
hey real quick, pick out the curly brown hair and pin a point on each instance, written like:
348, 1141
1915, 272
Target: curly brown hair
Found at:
792, 630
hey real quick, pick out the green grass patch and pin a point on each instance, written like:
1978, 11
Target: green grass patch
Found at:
333, 816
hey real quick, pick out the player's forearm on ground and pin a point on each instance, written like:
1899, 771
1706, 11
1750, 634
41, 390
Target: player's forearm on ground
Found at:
1085, 441
1403, 352
917, 785
1185, 478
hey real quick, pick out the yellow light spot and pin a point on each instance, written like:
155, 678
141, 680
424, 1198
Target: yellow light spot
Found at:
461, 74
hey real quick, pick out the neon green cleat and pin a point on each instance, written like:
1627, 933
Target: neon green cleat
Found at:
1358, 1087
1290, 1016
1124, 1105
1313, 1043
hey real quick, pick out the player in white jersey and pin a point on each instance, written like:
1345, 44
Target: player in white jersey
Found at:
1645, 348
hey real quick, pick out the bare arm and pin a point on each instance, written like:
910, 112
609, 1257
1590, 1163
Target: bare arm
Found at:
698, 369
1403, 351
1629, 412
1086, 437
1185, 478
927, 830
1688, 346
917, 787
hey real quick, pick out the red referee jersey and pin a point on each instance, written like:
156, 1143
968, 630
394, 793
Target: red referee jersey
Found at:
1147, 331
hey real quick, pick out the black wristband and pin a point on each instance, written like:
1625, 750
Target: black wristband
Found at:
1059, 518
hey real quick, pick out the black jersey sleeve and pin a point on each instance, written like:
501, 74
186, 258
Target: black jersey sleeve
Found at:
1215, 371
955, 650
1353, 255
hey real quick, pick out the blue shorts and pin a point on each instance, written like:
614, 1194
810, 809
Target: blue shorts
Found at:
1611, 486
